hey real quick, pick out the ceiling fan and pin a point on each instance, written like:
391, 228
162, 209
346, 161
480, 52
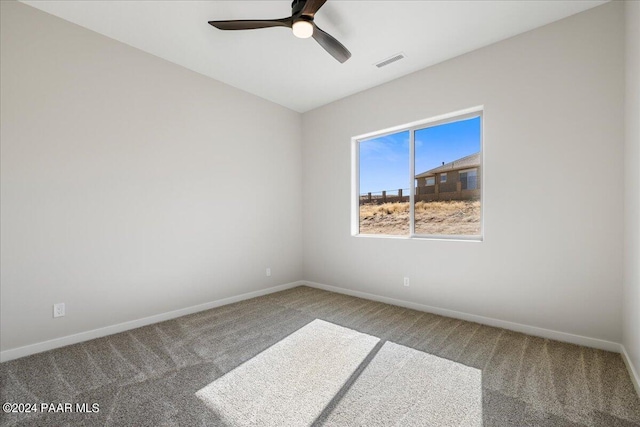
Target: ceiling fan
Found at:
300, 21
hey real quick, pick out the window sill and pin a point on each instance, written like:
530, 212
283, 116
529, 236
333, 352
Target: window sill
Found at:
473, 239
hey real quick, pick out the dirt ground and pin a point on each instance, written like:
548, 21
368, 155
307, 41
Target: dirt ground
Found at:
440, 217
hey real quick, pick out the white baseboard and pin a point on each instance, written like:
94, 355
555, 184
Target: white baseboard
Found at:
518, 327
27, 350
635, 377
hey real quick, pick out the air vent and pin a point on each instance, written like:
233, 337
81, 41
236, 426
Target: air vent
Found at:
391, 60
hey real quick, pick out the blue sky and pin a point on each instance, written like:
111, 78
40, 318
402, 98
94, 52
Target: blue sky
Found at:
384, 161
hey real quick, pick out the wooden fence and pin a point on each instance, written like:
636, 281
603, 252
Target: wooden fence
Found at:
386, 196
421, 194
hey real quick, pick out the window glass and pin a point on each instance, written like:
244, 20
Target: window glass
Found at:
384, 185
453, 147
469, 179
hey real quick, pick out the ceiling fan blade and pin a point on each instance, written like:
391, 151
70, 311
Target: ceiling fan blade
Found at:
311, 7
331, 45
252, 24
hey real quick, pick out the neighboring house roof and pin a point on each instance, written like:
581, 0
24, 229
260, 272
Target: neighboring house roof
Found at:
470, 161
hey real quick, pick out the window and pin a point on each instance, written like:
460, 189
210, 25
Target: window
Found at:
395, 174
469, 179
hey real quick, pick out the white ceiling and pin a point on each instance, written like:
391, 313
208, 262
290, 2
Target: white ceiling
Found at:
297, 73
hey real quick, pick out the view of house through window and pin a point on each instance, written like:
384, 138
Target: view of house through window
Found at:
444, 185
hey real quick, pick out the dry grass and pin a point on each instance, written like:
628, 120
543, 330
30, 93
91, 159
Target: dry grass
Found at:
456, 217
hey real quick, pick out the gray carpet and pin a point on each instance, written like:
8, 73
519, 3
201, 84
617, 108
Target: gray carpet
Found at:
290, 383
150, 376
406, 387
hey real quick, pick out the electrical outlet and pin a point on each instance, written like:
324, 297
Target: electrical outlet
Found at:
58, 310
406, 281
268, 271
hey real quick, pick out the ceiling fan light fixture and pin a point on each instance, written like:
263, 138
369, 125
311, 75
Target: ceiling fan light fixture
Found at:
300, 22
302, 29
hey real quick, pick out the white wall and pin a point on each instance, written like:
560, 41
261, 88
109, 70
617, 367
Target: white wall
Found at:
552, 254
132, 186
631, 339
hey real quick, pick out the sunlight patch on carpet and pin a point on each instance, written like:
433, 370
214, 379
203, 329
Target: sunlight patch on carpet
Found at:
291, 382
406, 387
